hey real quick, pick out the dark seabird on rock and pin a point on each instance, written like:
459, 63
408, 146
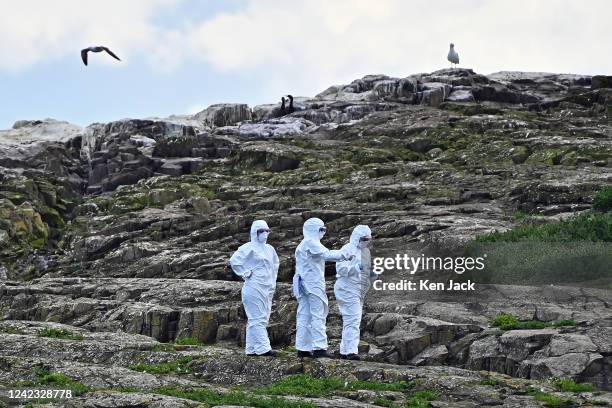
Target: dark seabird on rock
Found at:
290, 109
282, 108
84, 52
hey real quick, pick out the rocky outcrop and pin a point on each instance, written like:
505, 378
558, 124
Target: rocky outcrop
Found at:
125, 228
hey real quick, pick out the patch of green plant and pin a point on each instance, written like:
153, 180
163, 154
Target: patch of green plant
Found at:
239, 398
57, 380
10, 330
188, 341
384, 402
551, 401
59, 334
421, 399
575, 250
603, 199
163, 347
308, 386
180, 366
506, 321
591, 226
490, 381
568, 385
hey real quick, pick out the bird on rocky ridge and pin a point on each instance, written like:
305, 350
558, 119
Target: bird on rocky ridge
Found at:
84, 52
453, 57
290, 109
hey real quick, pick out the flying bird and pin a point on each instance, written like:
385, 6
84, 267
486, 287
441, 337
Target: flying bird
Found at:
84, 52
453, 57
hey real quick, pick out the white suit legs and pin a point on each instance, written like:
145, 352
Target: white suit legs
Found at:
311, 322
257, 306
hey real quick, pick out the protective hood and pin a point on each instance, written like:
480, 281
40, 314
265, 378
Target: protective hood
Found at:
358, 232
311, 229
257, 224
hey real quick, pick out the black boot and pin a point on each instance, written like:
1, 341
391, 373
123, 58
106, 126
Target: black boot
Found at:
353, 357
321, 354
302, 354
270, 353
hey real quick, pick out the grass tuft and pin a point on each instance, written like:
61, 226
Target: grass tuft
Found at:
59, 334
567, 385
180, 366
238, 398
307, 386
506, 321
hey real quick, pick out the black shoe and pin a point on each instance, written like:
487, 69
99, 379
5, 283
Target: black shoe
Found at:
352, 357
321, 354
271, 353
302, 354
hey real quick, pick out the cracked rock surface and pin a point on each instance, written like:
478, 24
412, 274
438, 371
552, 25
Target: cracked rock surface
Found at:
119, 234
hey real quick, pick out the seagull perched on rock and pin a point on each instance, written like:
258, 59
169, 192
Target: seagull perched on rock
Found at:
453, 57
84, 52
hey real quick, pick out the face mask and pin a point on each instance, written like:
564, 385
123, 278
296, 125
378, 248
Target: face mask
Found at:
322, 232
364, 244
263, 236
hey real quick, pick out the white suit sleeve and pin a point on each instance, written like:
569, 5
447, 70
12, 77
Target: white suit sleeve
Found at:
238, 262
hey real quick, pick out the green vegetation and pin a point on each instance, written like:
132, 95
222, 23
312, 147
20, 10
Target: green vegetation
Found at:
59, 334
384, 402
567, 385
507, 321
163, 347
57, 380
180, 366
490, 381
590, 226
575, 250
212, 398
421, 399
307, 386
188, 341
10, 330
551, 401
603, 199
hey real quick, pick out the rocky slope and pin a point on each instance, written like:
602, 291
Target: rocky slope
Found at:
120, 232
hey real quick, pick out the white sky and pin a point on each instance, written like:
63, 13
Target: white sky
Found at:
305, 45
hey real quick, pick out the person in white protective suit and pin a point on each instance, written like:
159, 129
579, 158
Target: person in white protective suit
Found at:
353, 282
309, 289
257, 263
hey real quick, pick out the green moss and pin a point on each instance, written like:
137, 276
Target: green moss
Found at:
188, 341
421, 399
10, 330
180, 366
507, 321
59, 334
490, 381
308, 386
550, 400
239, 398
54, 380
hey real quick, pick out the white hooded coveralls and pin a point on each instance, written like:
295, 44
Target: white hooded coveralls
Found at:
257, 263
354, 279
309, 287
